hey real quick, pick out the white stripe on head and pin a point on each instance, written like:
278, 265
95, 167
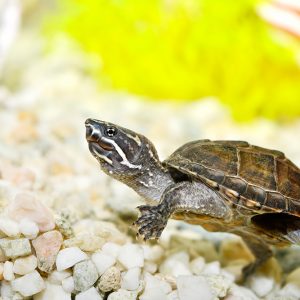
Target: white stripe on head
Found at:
135, 138
122, 154
98, 155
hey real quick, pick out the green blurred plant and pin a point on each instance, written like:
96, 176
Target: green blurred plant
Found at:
172, 49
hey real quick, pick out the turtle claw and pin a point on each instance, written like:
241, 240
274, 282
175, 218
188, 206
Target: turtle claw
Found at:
151, 223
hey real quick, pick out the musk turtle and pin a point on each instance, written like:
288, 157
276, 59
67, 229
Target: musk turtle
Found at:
227, 186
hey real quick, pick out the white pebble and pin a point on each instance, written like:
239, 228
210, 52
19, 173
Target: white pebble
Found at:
193, 288
68, 257
28, 284
90, 294
219, 284
53, 292
173, 295
212, 268
6, 290
176, 265
56, 277
15, 247
102, 261
131, 256
25, 265
154, 253
112, 249
85, 275
8, 272
197, 265
9, 227
261, 285
237, 292
123, 295
68, 284
150, 267
155, 288
29, 228
130, 279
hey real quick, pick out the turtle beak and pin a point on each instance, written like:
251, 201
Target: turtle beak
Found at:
93, 134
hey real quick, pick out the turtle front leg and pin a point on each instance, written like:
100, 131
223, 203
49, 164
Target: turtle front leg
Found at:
154, 219
183, 196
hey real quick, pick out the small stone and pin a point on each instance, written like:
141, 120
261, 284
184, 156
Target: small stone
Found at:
289, 291
197, 265
25, 265
131, 256
219, 284
85, 275
29, 228
194, 246
56, 277
294, 277
194, 288
68, 284
176, 264
46, 247
261, 285
63, 223
173, 295
236, 268
15, 248
112, 249
7, 292
9, 227
155, 288
28, 284
26, 206
150, 267
110, 280
123, 295
102, 261
53, 292
234, 249
68, 257
8, 272
153, 254
130, 279
90, 294
86, 241
212, 268
237, 292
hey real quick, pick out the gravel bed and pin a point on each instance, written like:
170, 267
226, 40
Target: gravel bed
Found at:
65, 227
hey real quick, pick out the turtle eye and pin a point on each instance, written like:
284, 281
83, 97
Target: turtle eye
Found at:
111, 131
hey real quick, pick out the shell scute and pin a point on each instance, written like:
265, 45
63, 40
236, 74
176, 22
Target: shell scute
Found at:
235, 183
276, 201
288, 178
255, 193
214, 175
257, 168
220, 157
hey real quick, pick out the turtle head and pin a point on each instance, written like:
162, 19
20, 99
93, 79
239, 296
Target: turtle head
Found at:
121, 152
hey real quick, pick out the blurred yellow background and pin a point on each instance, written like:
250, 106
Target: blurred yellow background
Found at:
189, 49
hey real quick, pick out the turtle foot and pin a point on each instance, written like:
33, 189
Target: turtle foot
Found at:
152, 221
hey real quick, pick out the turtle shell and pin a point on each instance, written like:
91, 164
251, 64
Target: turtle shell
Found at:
258, 179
